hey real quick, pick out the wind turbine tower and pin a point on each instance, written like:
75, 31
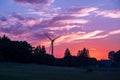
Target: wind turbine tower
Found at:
52, 43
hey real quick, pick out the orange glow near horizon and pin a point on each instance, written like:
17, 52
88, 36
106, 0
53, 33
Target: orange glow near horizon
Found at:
97, 48
59, 53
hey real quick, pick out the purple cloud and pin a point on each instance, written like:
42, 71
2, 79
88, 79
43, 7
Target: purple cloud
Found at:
33, 29
15, 15
3, 19
13, 29
35, 2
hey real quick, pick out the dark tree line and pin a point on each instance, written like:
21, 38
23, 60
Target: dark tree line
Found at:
23, 52
82, 58
114, 56
14, 51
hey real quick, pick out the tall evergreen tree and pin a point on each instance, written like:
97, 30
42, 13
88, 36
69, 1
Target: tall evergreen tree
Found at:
67, 53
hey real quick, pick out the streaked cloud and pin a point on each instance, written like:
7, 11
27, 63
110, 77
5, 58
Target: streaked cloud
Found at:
109, 13
81, 12
67, 27
45, 12
75, 36
100, 36
114, 32
82, 9
72, 21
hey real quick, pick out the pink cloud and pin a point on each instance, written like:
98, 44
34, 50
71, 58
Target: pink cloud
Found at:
72, 21
67, 27
100, 36
31, 22
63, 19
23, 37
109, 13
16, 24
115, 32
90, 9
76, 36
18, 20
80, 15
81, 12
43, 14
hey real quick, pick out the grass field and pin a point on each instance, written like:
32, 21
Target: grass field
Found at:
14, 71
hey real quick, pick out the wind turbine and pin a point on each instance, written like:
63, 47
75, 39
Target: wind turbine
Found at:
52, 43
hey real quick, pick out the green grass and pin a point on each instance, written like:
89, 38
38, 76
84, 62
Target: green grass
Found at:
14, 71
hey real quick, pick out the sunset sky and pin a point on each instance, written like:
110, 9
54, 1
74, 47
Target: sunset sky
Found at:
94, 24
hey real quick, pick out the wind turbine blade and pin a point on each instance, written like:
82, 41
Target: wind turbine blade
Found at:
56, 38
48, 36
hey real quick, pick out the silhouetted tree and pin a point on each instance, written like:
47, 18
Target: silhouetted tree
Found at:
118, 56
15, 51
37, 50
4, 47
114, 56
5, 38
83, 53
67, 53
43, 50
111, 55
79, 52
84, 58
67, 57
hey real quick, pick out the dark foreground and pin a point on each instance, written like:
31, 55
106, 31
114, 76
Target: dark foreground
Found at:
14, 71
